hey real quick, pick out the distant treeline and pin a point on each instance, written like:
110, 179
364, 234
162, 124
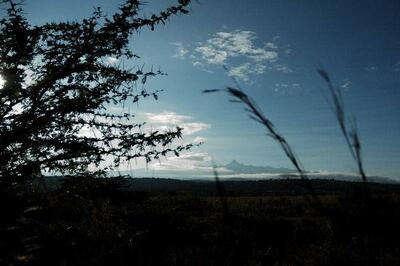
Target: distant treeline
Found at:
238, 187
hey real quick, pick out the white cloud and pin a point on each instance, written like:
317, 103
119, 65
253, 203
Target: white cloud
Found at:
180, 51
199, 140
165, 120
191, 128
28, 79
17, 109
89, 132
162, 121
197, 63
197, 161
238, 49
196, 156
263, 55
226, 45
240, 72
211, 55
282, 68
111, 60
244, 71
271, 45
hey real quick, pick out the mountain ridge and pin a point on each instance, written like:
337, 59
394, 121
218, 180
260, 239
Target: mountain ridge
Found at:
240, 168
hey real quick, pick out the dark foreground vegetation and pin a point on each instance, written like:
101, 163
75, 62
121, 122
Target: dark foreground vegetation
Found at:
169, 222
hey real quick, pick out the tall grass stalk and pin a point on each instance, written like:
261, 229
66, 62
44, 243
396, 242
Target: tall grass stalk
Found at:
351, 135
256, 114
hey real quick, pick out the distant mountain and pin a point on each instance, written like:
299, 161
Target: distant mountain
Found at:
238, 168
241, 172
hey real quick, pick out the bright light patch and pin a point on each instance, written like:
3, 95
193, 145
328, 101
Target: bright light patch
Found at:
2, 82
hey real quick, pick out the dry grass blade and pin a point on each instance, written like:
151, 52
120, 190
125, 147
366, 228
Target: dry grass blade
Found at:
351, 137
256, 114
357, 150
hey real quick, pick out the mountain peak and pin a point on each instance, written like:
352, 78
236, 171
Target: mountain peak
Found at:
234, 162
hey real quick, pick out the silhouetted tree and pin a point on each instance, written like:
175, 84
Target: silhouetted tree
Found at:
59, 82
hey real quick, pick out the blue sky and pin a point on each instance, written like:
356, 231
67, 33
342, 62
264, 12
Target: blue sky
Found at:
272, 48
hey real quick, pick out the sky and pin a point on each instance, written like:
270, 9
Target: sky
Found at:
272, 48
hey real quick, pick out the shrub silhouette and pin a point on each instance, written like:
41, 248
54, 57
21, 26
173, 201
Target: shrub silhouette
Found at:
71, 83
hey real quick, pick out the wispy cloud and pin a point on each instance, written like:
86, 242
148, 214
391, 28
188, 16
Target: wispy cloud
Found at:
165, 120
287, 88
191, 128
180, 51
225, 45
198, 140
168, 118
282, 68
346, 84
244, 71
190, 161
29, 79
371, 68
197, 161
239, 49
111, 60
89, 132
212, 56
271, 45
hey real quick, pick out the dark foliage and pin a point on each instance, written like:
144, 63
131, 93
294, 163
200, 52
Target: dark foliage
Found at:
71, 85
99, 222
